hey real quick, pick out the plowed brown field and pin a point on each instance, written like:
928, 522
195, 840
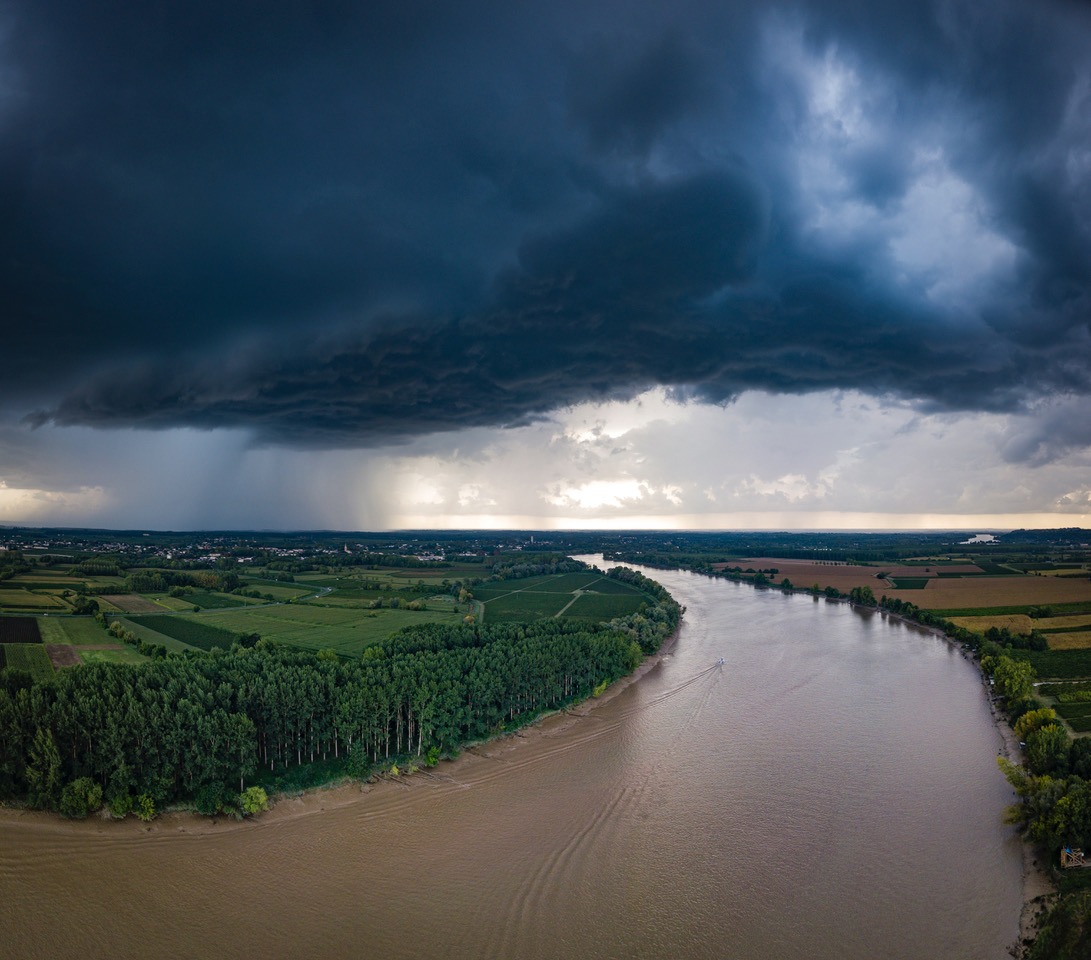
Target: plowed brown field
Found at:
938, 593
62, 655
131, 603
845, 576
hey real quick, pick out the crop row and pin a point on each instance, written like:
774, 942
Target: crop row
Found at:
19, 630
188, 631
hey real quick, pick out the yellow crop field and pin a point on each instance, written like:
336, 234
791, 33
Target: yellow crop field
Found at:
1070, 641
997, 592
1016, 623
1055, 623
25, 600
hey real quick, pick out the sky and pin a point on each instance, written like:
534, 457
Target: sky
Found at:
708, 265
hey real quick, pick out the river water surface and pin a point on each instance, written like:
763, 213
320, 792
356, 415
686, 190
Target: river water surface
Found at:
830, 792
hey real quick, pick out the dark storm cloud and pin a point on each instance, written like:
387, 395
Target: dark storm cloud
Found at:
624, 104
344, 225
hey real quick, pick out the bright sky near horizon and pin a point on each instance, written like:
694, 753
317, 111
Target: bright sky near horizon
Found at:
701, 265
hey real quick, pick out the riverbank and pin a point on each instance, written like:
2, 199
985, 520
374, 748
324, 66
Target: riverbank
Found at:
1038, 887
343, 792
1037, 884
660, 789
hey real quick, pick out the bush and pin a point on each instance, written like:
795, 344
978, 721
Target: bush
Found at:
144, 807
210, 799
253, 800
120, 806
81, 797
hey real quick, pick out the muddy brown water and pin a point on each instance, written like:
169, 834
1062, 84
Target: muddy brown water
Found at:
830, 792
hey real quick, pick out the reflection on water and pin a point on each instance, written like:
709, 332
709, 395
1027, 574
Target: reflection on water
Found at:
831, 791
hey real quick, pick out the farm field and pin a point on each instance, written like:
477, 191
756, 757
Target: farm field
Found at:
1058, 664
279, 591
62, 655
1015, 622
72, 630
174, 604
120, 653
1060, 624
845, 576
604, 606
30, 657
1076, 640
147, 634
1067, 609
359, 600
497, 588
558, 583
541, 597
1000, 592
525, 607
189, 630
131, 603
19, 630
213, 600
318, 580
19, 599
346, 631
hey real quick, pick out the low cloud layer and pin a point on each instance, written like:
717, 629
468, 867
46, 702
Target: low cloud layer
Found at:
358, 228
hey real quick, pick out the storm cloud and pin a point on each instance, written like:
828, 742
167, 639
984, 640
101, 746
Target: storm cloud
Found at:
350, 226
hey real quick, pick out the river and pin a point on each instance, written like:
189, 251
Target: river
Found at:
830, 792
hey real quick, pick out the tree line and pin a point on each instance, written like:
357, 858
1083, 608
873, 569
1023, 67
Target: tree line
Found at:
1054, 790
195, 728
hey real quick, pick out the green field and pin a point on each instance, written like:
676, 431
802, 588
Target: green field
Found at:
360, 600
519, 607
30, 657
124, 654
188, 630
597, 607
72, 630
1057, 608
210, 600
279, 591
910, 583
177, 604
18, 599
148, 635
539, 597
483, 591
1063, 664
1077, 715
346, 630
316, 580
